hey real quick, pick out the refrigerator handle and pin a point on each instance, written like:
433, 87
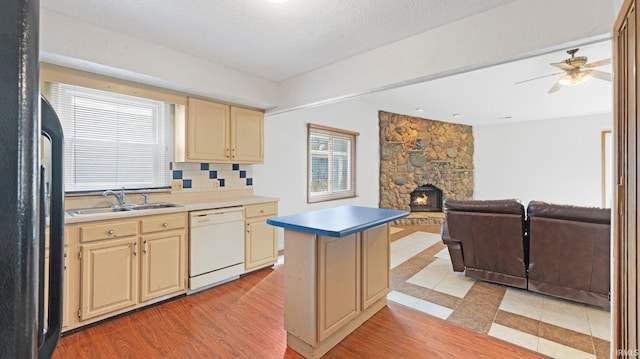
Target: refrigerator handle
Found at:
42, 330
52, 129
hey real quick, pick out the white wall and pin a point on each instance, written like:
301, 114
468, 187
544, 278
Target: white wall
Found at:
555, 160
284, 172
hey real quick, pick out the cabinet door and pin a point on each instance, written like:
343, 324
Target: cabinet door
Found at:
260, 247
162, 270
338, 283
207, 131
108, 272
375, 264
247, 133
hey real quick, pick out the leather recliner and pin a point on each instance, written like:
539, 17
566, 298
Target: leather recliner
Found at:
569, 252
486, 239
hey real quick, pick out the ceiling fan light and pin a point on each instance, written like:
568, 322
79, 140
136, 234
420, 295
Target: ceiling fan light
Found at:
574, 78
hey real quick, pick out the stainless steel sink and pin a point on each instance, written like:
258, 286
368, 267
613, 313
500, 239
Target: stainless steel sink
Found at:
154, 206
124, 208
97, 210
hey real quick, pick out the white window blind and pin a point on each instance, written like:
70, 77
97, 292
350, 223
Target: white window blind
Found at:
331, 163
112, 140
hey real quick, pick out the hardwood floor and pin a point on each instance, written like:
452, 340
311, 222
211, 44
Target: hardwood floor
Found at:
244, 319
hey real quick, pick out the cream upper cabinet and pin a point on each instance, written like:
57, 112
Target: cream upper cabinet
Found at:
207, 131
217, 133
247, 135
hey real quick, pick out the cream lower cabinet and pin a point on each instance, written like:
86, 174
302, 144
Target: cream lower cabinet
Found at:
124, 265
108, 274
338, 283
163, 264
66, 309
375, 265
261, 242
332, 285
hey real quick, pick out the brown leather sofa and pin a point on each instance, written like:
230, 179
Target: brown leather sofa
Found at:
485, 240
556, 250
569, 252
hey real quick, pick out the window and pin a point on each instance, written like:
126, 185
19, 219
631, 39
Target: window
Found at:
112, 140
331, 163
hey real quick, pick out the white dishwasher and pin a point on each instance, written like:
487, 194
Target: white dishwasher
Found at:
216, 247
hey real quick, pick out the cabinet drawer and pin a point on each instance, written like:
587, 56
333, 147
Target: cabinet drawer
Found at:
164, 223
100, 231
259, 210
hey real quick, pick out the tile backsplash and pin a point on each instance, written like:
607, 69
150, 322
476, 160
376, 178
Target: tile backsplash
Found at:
200, 177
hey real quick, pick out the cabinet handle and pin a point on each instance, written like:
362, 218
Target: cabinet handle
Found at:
165, 225
226, 151
262, 211
65, 262
134, 248
233, 155
111, 232
144, 249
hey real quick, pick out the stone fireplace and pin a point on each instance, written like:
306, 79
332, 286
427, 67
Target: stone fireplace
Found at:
426, 199
416, 153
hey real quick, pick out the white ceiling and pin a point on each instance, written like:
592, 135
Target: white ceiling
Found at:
489, 95
272, 41
279, 41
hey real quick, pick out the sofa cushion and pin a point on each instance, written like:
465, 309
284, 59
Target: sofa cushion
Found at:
506, 206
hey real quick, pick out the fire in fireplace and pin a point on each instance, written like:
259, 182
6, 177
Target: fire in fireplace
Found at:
426, 198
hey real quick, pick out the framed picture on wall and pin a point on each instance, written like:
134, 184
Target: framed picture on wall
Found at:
607, 169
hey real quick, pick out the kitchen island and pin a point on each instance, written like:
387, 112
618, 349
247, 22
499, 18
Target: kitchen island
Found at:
336, 273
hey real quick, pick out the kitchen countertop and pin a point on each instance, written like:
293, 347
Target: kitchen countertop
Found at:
185, 206
338, 221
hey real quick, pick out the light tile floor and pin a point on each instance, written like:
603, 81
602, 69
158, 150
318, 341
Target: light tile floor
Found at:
424, 280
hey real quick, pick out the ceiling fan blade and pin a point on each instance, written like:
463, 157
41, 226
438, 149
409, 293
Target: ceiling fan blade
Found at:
600, 75
598, 63
539, 77
562, 65
555, 87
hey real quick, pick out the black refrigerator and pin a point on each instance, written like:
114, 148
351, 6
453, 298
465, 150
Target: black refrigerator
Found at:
31, 193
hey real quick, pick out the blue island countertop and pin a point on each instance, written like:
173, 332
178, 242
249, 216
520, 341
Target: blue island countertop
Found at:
338, 221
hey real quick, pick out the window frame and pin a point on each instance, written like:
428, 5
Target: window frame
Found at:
57, 74
331, 194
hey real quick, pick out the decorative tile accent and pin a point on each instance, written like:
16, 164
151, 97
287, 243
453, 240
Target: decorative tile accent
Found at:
207, 177
170, 166
186, 183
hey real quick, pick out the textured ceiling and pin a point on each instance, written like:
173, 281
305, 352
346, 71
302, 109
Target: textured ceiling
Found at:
271, 41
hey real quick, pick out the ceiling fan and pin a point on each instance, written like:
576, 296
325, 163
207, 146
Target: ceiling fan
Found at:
576, 71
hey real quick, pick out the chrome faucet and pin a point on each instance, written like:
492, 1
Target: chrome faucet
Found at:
145, 198
122, 199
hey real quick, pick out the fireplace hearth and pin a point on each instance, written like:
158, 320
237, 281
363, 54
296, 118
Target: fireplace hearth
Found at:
427, 198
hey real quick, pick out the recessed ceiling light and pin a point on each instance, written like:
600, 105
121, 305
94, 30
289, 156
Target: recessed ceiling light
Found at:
456, 115
504, 118
419, 109
277, 1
